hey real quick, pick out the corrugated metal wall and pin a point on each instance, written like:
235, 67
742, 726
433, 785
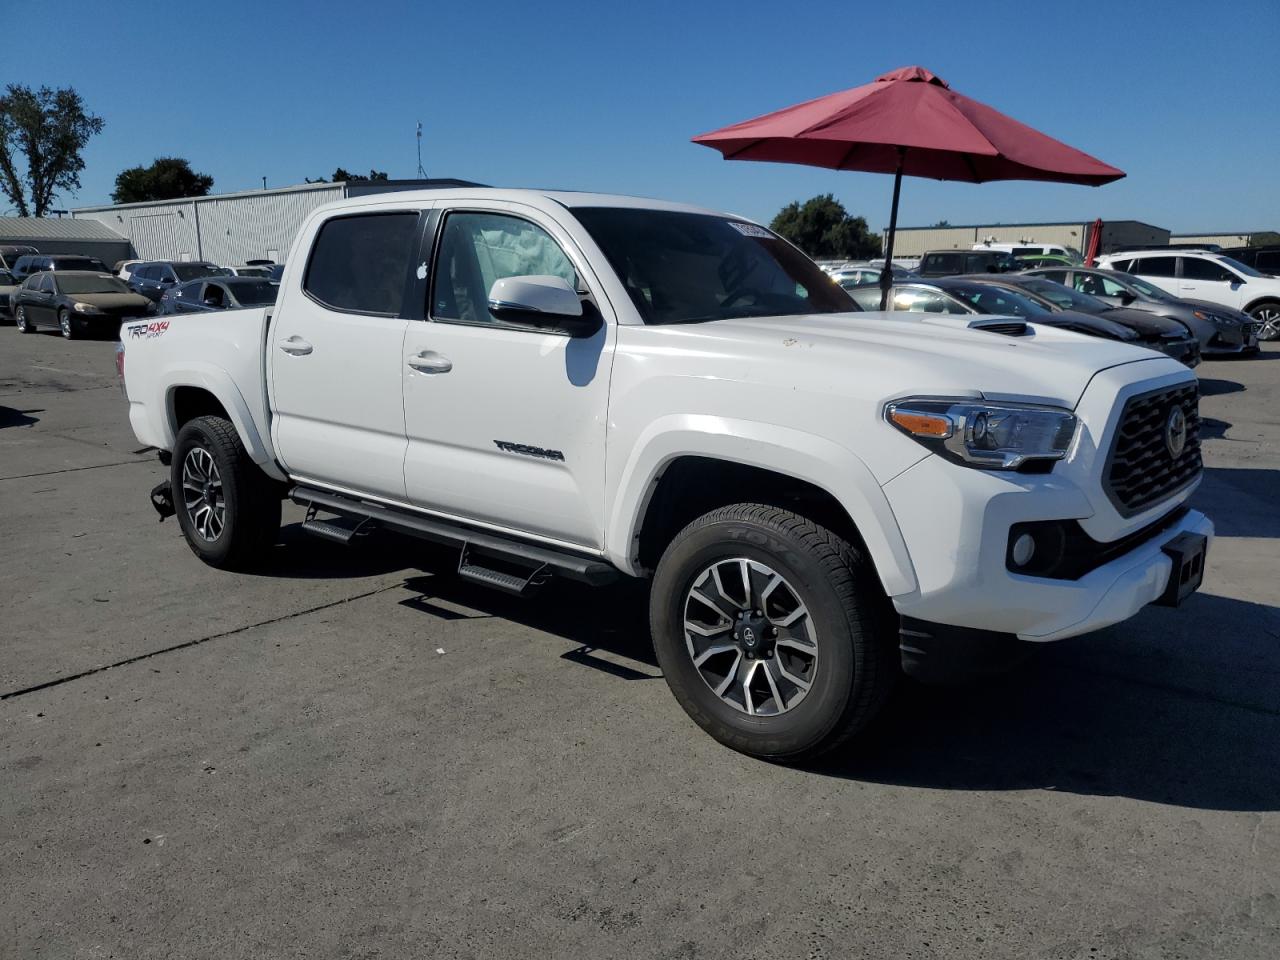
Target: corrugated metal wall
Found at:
1221, 239
227, 230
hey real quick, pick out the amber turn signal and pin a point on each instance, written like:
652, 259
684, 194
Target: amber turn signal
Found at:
921, 424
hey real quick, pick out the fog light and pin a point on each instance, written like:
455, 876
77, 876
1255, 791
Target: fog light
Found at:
1024, 548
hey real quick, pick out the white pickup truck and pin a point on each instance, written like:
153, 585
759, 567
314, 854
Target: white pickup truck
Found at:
587, 386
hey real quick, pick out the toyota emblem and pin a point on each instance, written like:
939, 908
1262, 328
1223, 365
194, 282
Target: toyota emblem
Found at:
1175, 432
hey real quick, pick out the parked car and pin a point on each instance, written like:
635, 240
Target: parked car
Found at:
951, 263
218, 293
153, 277
865, 273
1033, 249
1205, 275
1157, 333
123, 268
30, 263
10, 252
1264, 259
76, 302
576, 385
1219, 329
249, 270
976, 295
7, 288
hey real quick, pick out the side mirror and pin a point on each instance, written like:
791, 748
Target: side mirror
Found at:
1127, 297
541, 301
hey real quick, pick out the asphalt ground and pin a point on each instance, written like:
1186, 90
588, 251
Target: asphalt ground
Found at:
352, 754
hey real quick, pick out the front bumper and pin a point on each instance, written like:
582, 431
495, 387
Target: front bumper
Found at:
1232, 340
956, 522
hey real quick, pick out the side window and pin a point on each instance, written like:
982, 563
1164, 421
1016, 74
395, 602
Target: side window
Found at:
45, 283
143, 271
916, 300
1124, 266
1057, 276
1154, 266
477, 249
360, 264
1195, 268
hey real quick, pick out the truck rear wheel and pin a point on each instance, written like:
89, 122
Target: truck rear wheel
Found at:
228, 509
772, 632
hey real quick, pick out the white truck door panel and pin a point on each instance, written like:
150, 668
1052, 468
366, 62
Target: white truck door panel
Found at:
335, 355
505, 423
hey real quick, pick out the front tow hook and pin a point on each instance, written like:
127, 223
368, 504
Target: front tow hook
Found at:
162, 499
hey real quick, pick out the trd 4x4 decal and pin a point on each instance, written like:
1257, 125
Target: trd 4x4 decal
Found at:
155, 328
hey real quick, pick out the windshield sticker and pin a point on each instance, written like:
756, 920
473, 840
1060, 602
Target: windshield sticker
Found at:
751, 230
148, 330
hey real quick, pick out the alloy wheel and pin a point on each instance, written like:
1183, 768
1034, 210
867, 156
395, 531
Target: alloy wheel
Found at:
202, 494
750, 637
20, 319
64, 324
1268, 318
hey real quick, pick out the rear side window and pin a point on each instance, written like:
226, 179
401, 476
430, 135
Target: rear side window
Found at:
1155, 266
936, 262
360, 264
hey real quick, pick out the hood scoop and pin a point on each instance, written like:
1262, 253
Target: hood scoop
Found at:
1005, 326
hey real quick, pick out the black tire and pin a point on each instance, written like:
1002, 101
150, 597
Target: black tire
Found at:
20, 320
250, 500
856, 666
68, 326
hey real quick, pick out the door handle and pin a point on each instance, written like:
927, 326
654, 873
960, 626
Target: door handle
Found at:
428, 361
295, 346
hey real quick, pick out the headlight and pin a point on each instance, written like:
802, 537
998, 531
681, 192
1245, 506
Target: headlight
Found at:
86, 308
1216, 318
993, 436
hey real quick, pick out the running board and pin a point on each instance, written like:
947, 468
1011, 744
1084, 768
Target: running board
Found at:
540, 561
341, 530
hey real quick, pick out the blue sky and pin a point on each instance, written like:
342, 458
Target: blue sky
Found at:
602, 96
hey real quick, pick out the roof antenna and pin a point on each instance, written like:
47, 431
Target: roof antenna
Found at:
422, 174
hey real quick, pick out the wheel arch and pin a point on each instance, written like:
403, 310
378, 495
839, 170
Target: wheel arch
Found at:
209, 391
1266, 298
690, 468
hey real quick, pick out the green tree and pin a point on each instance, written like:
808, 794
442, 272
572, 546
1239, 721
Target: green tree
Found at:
168, 178
341, 175
49, 128
823, 229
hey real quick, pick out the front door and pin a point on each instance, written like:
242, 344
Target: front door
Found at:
1204, 279
335, 354
40, 308
505, 422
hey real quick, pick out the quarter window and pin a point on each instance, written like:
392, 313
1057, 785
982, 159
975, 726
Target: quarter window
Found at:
360, 264
477, 249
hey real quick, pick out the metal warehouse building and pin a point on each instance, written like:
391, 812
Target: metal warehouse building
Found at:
232, 227
913, 241
65, 235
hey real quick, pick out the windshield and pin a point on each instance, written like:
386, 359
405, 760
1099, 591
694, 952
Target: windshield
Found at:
255, 292
991, 299
692, 267
90, 285
1239, 267
1064, 297
194, 271
252, 272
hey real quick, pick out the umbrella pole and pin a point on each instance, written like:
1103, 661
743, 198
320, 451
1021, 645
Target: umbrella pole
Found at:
886, 275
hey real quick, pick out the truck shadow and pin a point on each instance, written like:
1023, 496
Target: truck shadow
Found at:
1241, 501
1176, 707
12, 417
1210, 387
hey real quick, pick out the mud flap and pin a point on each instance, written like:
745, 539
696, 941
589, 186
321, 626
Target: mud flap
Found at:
162, 500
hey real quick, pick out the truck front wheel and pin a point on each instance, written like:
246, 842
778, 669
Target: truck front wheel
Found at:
228, 509
772, 632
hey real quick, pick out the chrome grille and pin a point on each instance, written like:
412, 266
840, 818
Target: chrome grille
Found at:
1141, 470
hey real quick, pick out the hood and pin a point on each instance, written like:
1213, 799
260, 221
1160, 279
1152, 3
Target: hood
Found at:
111, 301
1217, 308
896, 354
1093, 324
1146, 325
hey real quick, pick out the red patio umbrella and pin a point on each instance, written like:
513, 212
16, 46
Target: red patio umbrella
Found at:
907, 121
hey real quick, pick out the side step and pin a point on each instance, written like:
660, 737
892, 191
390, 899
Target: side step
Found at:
341, 530
489, 558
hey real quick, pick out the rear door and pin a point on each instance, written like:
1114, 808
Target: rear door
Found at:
1205, 279
335, 349
506, 426
1161, 271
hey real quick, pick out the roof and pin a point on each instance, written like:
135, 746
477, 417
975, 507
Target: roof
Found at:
532, 197
34, 229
